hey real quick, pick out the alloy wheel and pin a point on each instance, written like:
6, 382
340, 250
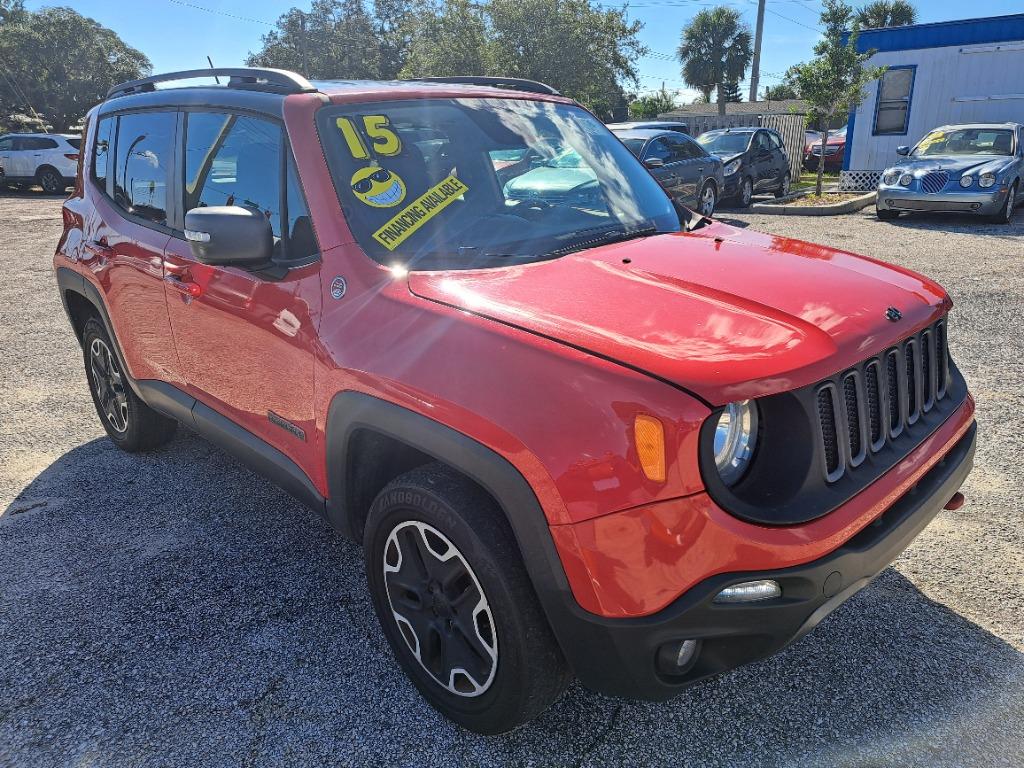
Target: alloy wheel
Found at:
440, 608
50, 182
108, 384
707, 201
1011, 202
746, 192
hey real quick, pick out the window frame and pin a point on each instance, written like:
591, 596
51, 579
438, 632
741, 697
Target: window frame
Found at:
909, 100
282, 262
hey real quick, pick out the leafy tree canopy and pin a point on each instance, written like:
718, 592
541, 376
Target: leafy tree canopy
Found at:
886, 13
715, 50
57, 63
652, 105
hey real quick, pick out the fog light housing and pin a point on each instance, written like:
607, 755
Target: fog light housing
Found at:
750, 591
677, 657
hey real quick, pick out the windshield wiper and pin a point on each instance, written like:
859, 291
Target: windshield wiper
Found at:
606, 238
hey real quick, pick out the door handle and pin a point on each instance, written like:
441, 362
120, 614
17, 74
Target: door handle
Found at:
183, 286
102, 251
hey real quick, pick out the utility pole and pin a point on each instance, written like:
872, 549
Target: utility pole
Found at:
755, 69
302, 44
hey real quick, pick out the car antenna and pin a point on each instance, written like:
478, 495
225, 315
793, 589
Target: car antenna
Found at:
211, 67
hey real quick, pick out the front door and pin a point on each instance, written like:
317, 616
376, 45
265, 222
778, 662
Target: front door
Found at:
665, 173
246, 341
6, 148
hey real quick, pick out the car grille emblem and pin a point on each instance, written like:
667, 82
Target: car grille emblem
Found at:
893, 314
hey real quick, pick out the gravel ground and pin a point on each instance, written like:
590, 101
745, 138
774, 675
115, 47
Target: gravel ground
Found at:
174, 609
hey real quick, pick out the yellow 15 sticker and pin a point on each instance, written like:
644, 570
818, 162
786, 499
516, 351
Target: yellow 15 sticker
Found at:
384, 141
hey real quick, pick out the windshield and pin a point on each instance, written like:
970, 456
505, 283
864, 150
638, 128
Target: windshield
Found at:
724, 143
636, 146
966, 141
459, 183
839, 133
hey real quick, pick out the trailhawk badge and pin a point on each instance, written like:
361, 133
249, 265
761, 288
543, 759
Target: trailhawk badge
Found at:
893, 314
338, 287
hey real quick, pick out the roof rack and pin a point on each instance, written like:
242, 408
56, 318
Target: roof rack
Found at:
253, 79
512, 83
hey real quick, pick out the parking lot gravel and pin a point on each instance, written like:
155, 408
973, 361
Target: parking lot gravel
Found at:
173, 609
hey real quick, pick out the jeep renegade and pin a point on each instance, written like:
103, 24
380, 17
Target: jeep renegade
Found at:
588, 434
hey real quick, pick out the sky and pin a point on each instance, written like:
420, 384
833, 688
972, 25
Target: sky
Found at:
179, 34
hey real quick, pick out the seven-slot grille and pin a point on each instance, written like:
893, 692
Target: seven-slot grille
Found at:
863, 409
934, 182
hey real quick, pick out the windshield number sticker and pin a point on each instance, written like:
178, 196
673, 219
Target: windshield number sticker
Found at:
384, 141
419, 212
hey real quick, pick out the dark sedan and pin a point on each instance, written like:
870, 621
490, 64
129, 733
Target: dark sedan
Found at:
755, 161
688, 173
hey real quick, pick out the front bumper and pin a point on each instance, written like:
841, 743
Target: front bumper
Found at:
985, 203
731, 185
619, 656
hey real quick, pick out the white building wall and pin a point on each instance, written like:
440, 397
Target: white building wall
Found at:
978, 83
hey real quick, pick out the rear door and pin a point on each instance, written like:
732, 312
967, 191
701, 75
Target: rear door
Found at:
763, 161
779, 157
246, 341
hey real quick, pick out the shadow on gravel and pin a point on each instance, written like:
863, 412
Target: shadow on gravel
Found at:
174, 609
30, 193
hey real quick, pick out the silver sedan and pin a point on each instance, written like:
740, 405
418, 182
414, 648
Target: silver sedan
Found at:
976, 168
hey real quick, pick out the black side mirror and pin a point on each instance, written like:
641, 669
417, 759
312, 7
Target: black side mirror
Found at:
225, 235
904, 151
654, 162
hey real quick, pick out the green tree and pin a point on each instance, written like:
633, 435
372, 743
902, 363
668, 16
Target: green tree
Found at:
780, 92
732, 93
715, 50
833, 83
57, 63
11, 10
583, 51
335, 39
449, 40
652, 105
396, 25
886, 13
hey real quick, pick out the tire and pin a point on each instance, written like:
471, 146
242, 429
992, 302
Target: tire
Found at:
783, 189
51, 181
513, 669
1005, 216
130, 423
708, 199
746, 193
886, 215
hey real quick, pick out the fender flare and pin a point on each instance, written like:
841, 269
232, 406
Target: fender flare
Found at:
350, 412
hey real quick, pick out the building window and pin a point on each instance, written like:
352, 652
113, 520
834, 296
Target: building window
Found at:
892, 112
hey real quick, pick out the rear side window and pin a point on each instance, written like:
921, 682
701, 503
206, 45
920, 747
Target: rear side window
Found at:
76, 143
237, 160
37, 143
101, 150
143, 157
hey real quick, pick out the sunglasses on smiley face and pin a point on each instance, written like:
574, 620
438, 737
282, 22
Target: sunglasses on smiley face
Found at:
364, 185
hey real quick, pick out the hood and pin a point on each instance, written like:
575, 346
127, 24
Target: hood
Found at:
724, 313
726, 157
957, 164
549, 181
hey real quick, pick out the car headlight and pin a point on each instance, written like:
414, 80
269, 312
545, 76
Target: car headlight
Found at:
986, 180
966, 181
906, 179
732, 167
889, 178
735, 440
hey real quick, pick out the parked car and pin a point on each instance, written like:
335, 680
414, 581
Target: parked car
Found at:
835, 152
755, 162
47, 159
611, 440
681, 165
657, 125
975, 168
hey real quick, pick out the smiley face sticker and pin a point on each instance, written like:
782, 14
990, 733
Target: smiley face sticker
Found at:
378, 187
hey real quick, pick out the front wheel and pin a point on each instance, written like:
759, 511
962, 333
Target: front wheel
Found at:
456, 604
708, 199
746, 193
1005, 216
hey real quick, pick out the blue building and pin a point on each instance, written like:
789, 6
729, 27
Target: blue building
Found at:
938, 74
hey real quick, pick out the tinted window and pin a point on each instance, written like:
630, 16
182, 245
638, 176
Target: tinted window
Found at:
658, 149
762, 141
692, 150
76, 143
34, 142
101, 151
775, 140
142, 163
233, 160
6, 145
636, 146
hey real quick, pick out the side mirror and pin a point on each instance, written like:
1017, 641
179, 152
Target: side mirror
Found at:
904, 151
654, 162
224, 235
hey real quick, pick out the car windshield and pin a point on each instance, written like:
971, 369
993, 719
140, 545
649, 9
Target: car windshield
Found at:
966, 141
838, 134
636, 146
724, 143
461, 183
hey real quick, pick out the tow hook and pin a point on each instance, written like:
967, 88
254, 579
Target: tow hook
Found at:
956, 501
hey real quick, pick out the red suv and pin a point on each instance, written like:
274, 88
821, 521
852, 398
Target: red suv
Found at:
592, 434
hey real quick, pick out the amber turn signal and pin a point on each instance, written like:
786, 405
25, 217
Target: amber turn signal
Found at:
650, 446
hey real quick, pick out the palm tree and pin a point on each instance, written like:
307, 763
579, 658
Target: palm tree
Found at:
715, 50
886, 13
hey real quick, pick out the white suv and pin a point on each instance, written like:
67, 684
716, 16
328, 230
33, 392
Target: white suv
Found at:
47, 159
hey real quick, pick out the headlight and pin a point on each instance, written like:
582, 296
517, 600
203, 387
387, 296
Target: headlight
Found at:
966, 181
906, 179
890, 178
732, 167
986, 180
735, 440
